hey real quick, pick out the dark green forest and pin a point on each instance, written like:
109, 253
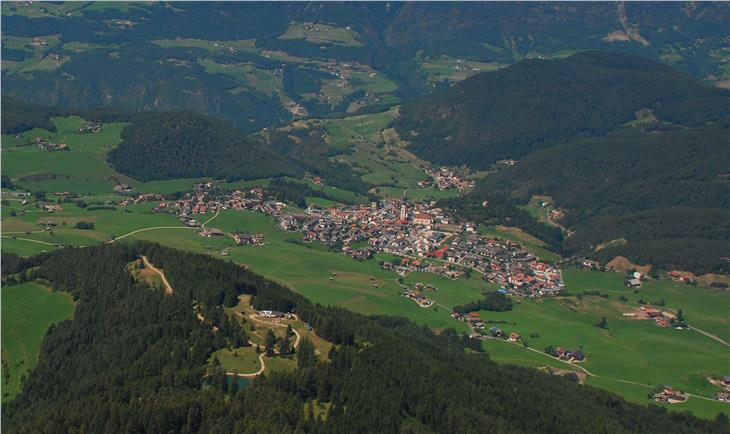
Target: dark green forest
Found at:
189, 145
134, 360
536, 104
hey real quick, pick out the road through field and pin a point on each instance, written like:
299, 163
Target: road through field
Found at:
28, 239
709, 335
148, 229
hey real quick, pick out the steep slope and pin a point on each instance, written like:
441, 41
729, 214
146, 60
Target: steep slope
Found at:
385, 375
190, 145
539, 103
663, 194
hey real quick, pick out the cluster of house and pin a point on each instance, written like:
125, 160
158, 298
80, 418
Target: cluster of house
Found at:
670, 395
142, 198
90, 129
248, 239
505, 263
206, 198
576, 355
479, 328
723, 382
444, 178
403, 229
123, 188
662, 318
419, 298
38, 41
390, 227
50, 207
45, 145
408, 265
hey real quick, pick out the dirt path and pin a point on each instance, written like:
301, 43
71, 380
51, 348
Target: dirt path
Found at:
210, 219
148, 229
255, 374
710, 335
168, 288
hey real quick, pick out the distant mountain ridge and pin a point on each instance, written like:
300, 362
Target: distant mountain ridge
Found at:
97, 54
538, 103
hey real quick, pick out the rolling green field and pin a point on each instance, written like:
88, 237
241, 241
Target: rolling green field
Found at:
322, 33
629, 350
27, 311
83, 169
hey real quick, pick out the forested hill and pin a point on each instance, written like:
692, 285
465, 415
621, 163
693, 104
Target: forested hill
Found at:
538, 103
133, 360
657, 194
189, 145
632, 150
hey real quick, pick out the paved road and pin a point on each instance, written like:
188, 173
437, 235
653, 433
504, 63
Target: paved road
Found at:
148, 229
28, 239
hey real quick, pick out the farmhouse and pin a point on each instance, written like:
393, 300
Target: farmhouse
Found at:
670, 395
248, 239
633, 283
496, 332
122, 188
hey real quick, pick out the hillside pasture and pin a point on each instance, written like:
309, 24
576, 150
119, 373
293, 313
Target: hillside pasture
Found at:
28, 310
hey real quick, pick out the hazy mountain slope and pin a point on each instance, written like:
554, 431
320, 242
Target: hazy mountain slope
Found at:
539, 103
96, 55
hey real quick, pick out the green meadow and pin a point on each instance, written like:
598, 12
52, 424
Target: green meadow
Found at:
629, 356
83, 169
27, 311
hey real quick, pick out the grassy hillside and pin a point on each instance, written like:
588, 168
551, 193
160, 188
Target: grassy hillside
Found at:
27, 312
